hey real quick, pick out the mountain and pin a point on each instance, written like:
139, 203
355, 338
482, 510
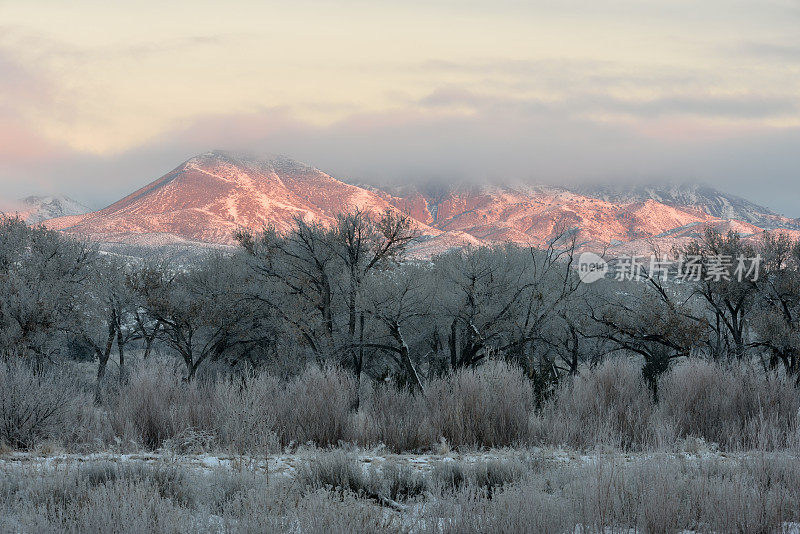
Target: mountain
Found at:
35, 209
700, 197
601, 219
205, 199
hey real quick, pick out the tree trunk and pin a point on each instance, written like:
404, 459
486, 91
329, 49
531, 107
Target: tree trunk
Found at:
102, 360
148, 346
101, 373
359, 361
452, 342
121, 352
327, 313
405, 358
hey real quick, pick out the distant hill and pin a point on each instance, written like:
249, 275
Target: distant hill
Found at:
205, 199
35, 209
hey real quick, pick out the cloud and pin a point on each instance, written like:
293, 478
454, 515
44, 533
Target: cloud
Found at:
736, 106
406, 146
19, 83
780, 52
22, 89
727, 106
45, 48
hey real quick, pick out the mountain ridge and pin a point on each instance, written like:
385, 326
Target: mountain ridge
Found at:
207, 197
35, 209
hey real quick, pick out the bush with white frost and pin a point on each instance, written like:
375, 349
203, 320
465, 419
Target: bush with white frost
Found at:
38, 406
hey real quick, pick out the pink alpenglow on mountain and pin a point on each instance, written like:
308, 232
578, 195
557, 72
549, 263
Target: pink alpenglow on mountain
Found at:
210, 196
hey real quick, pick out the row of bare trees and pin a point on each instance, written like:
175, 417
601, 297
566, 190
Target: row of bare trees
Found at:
349, 293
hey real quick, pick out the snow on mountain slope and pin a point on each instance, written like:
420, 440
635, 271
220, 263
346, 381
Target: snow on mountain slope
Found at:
35, 209
694, 196
534, 215
208, 197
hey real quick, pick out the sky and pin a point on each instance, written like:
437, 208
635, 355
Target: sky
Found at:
98, 98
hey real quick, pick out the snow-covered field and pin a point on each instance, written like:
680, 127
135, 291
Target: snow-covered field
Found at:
285, 465
698, 489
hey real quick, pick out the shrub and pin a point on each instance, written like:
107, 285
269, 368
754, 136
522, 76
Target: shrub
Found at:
37, 406
609, 404
486, 475
315, 407
246, 414
157, 404
734, 404
488, 406
396, 418
336, 469
400, 481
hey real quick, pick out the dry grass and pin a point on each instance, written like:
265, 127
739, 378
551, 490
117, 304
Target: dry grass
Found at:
333, 493
315, 407
489, 406
701, 404
734, 405
609, 405
394, 417
40, 406
157, 405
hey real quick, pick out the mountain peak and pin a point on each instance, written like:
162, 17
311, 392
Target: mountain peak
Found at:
259, 162
211, 195
34, 209
697, 196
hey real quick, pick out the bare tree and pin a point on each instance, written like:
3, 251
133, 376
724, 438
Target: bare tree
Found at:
363, 244
142, 280
729, 300
400, 303
312, 277
296, 277
776, 324
202, 311
42, 274
504, 299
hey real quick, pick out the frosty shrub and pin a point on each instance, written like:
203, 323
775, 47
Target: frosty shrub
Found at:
335, 469
157, 404
607, 405
732, 404
401, 482
246, 414
315, 407
488, 406
486, 475
38, 406
331, 493
395, 417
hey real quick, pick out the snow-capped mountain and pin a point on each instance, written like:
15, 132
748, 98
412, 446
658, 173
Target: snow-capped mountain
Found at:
707, 199
205, 199
534, 215
35, 209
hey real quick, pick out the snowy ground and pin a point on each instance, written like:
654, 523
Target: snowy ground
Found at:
284, 465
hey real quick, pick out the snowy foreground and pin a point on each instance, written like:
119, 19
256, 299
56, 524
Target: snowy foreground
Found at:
698, 489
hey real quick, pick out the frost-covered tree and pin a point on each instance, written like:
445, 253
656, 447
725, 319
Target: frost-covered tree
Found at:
506, 300
776, 322
42, 275
398, 304
202, 311
313, 276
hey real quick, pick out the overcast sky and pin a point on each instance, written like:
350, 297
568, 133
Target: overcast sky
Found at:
97, 99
